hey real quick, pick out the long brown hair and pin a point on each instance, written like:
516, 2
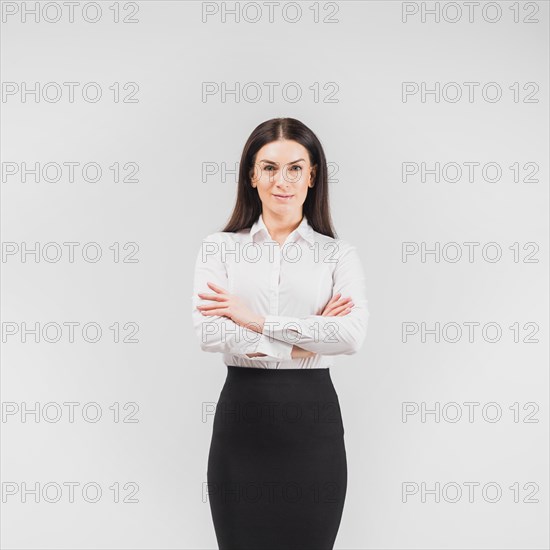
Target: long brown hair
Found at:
249, 206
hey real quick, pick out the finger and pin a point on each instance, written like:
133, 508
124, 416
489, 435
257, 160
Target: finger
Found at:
209, 307
217, 288
341, 308
214, 312
339, 303
216, 297
330, 303
345, 312
342, 301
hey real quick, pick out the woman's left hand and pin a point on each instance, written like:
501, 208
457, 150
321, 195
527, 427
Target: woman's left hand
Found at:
230, 306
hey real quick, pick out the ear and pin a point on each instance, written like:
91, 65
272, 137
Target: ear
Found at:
312, 175
252, 174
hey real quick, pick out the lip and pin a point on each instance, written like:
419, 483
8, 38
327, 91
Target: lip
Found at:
283, 197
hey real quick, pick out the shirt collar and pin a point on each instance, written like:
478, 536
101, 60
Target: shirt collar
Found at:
304, 229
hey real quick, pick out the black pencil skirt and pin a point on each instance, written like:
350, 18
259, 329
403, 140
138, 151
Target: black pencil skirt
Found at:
277, 471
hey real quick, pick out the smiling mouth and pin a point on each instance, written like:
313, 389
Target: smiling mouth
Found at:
283, 196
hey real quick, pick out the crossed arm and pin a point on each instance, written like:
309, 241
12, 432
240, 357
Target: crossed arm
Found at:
225, 324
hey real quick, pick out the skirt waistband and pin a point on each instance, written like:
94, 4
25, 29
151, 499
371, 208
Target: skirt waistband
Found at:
235, 373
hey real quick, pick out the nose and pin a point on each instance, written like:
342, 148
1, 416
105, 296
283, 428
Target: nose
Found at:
285, 178
281, 180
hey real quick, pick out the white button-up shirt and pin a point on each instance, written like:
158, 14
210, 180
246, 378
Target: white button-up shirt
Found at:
289, 286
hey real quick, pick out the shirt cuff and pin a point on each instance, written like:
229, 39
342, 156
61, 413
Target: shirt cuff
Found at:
282, 351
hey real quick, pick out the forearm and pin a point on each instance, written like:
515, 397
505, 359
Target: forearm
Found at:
301, 353
222, 335
296, 353
318, 334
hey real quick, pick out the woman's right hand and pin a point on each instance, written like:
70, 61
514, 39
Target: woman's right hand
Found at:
336, 307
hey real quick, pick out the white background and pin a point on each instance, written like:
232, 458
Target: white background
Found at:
368, 132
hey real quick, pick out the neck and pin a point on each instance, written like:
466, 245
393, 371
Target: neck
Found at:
281, 226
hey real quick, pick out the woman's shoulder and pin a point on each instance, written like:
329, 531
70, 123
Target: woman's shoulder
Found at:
225, 236
342, 245
333, 250
215, 246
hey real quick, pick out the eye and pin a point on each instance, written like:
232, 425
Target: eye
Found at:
268, 168
297, 167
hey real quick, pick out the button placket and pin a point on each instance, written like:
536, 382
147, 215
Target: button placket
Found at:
274, 282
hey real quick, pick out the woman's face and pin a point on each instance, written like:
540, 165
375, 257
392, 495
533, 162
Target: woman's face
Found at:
282, 175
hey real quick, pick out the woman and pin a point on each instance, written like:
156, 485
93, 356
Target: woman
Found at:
279, 295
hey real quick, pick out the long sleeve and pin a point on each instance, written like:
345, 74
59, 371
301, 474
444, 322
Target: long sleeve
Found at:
219, 334
330, 335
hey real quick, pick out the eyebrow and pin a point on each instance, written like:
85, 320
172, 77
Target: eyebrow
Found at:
274, 163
